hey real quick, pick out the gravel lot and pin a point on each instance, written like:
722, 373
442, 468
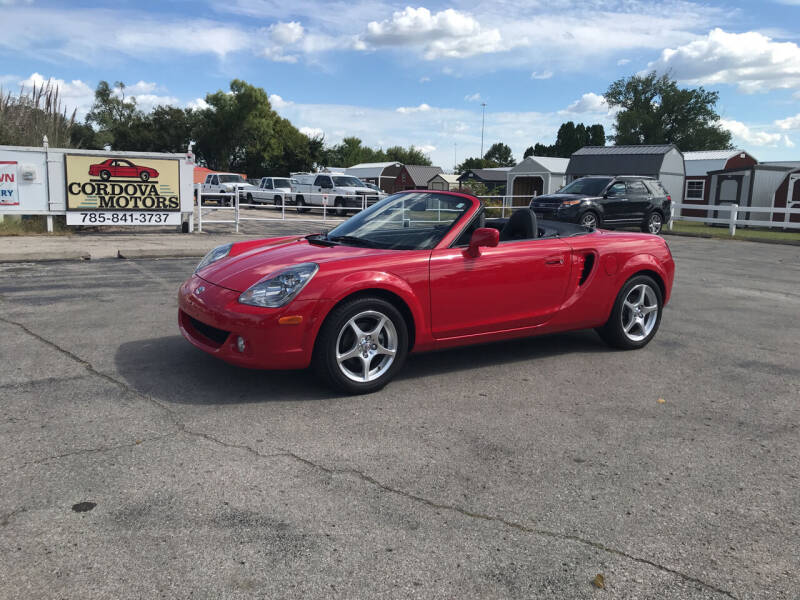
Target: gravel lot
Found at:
516, 470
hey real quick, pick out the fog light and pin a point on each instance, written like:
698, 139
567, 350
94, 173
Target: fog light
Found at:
240, 344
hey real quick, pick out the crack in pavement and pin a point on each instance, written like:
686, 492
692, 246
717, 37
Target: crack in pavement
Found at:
368, 479
98, 450
5, 518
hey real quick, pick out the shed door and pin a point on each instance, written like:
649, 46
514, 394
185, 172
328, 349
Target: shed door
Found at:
729, 191
528, 186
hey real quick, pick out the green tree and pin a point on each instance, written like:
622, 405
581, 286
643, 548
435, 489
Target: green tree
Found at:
500, 154
529, 151
570, 138
112, 115
409, 156
654, 110
474, 163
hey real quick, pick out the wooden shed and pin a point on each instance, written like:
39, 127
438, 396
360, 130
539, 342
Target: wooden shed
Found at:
537, 175
698, 165
664, 162
492, 178
447, 182
382, 174
415, 177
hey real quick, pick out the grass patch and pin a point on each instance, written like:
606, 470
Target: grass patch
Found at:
28, 225
742, 233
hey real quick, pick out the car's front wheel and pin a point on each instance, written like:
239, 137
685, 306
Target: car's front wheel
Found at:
588, 219
636, 314
361, 345
653, 223
105, 175
301, 205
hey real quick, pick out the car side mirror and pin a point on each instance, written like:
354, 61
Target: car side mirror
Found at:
483, 237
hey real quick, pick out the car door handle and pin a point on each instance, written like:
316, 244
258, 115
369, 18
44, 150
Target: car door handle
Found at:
554, 261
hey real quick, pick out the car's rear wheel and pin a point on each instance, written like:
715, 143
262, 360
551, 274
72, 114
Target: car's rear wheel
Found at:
144, 176
276, 202
653, 223
589, 219
361, 345
301, 205
636, 315
105, 175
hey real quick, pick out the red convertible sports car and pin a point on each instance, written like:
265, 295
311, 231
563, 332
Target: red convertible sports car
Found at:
419, 271
118, 167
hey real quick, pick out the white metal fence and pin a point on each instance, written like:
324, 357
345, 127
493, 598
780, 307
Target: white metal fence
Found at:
317, 207
734, 218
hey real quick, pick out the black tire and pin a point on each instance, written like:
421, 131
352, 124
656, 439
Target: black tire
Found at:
589, 219
337, 334
249, 198
276, 202
614, 332
301, 205
653, 223
339, 211
144, 176
105, 175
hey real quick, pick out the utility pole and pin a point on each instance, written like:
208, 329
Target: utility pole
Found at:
483, 122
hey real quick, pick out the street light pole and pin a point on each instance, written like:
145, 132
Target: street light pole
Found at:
483, 122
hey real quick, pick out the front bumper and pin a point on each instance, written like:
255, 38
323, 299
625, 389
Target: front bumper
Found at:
558, 213
212, 319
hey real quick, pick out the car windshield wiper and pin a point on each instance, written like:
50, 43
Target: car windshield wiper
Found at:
320, 239
354, 241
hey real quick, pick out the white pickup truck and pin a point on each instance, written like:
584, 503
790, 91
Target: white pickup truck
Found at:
274, 190
227, 183
344, 192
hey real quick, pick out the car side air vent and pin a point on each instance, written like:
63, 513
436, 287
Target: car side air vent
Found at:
588, 265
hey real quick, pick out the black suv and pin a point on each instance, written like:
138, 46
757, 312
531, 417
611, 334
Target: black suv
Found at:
602, 200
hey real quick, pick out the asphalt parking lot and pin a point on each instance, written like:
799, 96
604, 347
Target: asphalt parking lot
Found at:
137, 467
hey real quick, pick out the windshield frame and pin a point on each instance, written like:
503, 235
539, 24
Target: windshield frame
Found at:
607, 181
337, 183
231, 178
447, 235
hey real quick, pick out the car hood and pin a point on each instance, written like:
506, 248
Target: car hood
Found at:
560, 198
243, 270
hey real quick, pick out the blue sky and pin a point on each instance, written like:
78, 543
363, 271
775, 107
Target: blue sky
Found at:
398, 73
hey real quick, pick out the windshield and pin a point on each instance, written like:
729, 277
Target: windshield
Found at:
590, 186
231, 179
403, 221
348, 181
282, 183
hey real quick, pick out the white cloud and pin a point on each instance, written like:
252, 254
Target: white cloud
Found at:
74, 95
751, 60
542, 75
789, 122
446, 34
142, 92
753, 136
312, 132
198, 104
286, 33
278, 102
623, 61
413, 109
424, 79
426, 148
588, 103
476, 97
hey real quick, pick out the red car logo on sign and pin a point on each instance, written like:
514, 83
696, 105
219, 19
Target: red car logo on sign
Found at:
119, 167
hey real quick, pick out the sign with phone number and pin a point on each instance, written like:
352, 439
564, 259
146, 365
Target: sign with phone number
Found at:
123, 218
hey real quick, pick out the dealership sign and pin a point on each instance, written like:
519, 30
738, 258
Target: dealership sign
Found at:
122, 191
9, 194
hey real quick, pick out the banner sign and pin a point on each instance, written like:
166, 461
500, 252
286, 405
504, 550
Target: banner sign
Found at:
9, 194
122, 191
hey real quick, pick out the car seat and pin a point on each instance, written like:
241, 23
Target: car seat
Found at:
521, 226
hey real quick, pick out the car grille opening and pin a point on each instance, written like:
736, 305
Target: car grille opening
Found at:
588, 263
218, 336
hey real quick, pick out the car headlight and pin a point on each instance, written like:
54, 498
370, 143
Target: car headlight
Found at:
216, 254
280, 289
570, 202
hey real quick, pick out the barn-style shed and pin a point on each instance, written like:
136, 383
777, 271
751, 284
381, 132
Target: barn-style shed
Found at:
537, 175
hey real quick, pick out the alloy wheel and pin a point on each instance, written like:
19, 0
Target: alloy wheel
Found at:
654, 223
366, 346
639, 312
589, 220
